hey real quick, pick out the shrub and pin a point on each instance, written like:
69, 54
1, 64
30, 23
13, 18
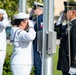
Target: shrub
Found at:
6, 68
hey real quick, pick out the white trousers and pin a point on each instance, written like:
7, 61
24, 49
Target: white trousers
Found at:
21, 69
2, 58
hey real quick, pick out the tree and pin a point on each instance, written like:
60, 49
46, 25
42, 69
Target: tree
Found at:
11, 6
73, 1
30, 2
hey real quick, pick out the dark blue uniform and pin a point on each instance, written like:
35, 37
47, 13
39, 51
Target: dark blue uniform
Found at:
37, 58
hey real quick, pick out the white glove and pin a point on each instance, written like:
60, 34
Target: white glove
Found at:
61, 19
31, 24
72, 70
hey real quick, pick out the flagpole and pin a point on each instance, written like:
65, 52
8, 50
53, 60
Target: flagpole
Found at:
22, 6
49, 38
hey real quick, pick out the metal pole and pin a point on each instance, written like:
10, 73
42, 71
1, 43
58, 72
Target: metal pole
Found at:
22, 6
48, 22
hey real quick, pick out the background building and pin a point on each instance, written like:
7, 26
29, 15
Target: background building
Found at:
58, 7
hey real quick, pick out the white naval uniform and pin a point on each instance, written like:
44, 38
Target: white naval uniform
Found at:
22, 56
3, 25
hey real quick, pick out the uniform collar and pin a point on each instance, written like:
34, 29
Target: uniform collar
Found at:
70, 22
73, 19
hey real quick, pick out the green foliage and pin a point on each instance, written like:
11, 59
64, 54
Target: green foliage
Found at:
6, 68
30, 2
73, 1
11, 6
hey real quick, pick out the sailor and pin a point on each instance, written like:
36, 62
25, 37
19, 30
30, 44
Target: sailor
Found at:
22, 37
3, 23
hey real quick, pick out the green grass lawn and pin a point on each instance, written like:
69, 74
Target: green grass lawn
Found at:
55, 71
9, 48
